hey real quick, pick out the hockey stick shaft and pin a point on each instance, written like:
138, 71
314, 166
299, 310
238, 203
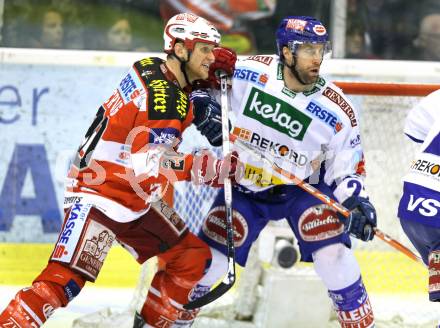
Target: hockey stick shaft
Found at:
291, 178
230, 276
229, 279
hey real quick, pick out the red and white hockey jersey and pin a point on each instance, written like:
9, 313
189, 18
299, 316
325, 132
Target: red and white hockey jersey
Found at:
117, 166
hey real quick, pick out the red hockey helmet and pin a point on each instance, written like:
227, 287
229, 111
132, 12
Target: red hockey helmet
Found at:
190, 29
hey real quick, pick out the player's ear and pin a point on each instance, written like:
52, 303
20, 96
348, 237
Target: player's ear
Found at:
287, 54
180, 50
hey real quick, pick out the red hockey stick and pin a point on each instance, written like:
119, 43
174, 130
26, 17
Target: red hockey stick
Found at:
324, 198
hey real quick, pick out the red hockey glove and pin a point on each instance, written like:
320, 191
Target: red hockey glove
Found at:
225, 59
211, 171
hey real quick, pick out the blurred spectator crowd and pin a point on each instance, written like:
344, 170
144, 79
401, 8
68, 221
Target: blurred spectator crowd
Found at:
121, 25
375, 29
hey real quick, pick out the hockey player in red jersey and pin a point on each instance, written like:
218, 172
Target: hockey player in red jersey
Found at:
115, 183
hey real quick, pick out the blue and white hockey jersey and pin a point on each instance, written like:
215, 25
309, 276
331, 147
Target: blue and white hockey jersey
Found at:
421, 189
301, 132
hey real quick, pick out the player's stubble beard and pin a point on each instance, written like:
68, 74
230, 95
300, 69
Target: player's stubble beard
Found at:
306, 76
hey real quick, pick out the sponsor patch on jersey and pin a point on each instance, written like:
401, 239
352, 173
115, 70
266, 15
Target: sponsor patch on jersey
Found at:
165, 136
147, 73
71, 232
319, 222
342, 103
71, 289
320, 81
276, 114
166, 101
215, 226
420, 203
266, 60
129, 84
315, 89
280, 73
288, 92
182, 104
160, 95
171, 217
69, 201
95, 245
274, 148
260, 177
426, 167
325, 115
124, 155
250, 75
148, 61
139, 98
114, 103
355, 141
428, 207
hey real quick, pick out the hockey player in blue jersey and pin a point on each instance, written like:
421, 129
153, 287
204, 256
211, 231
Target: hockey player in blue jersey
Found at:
283, 108
419, 207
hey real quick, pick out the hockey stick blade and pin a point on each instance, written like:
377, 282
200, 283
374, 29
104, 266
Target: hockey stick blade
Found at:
211, 296
229, 279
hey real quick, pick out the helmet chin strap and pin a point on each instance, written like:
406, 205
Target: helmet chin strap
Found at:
183, 66
294, 71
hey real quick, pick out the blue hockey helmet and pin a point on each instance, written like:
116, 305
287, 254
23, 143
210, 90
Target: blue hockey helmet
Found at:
296, 30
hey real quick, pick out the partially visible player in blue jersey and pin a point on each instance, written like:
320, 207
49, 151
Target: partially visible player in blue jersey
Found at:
419, 208
284, 108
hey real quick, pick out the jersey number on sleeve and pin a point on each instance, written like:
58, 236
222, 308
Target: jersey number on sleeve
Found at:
94, 133
356, 185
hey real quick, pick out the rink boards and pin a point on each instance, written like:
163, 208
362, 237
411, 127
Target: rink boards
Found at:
382, 271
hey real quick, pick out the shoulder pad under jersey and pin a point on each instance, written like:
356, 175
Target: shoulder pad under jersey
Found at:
422, 116
165, 100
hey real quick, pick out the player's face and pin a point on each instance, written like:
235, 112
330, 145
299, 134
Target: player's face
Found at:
201, 58
308, 61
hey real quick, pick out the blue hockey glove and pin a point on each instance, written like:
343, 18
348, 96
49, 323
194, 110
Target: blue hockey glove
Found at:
207, 116
362, 219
